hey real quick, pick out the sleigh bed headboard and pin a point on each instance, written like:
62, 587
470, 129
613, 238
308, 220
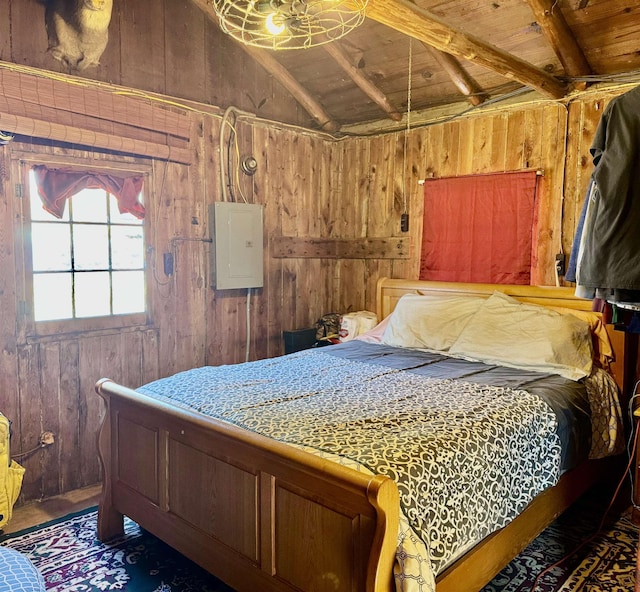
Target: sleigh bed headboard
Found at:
389, 291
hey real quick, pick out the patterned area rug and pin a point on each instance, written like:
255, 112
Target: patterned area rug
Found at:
71, 560
604, 563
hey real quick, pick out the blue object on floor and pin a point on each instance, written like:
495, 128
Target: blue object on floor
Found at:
18, 574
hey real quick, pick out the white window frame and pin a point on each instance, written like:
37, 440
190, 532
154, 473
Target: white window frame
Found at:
27, 326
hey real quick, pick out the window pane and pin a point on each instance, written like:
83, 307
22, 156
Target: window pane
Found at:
37, 211
90, 246
90, 205
117, 217
79, 262
127, 247
92, 294
128, 292
52, 296
51, 246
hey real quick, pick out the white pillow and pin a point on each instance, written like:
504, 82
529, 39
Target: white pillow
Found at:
429, 321
519, 335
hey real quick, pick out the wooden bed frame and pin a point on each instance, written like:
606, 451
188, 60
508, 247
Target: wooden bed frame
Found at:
262, 515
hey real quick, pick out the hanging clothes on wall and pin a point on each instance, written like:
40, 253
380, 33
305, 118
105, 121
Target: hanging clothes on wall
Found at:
608, 264
572, 266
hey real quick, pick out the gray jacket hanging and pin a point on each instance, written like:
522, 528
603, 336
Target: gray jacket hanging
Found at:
611, 251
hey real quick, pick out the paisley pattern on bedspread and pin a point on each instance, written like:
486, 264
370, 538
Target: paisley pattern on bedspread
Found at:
441, 440
412, 572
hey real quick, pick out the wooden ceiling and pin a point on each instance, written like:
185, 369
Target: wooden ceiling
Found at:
462, 52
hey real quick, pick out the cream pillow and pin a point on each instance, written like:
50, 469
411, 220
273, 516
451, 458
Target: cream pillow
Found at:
429, 321
602, 348
519, 335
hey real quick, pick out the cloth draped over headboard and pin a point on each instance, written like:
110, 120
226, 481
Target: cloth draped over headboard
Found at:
479, 228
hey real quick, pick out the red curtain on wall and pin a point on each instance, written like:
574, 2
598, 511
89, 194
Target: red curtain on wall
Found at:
55, 186
479, 228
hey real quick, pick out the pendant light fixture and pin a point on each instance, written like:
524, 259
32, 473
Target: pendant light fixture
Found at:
294, 24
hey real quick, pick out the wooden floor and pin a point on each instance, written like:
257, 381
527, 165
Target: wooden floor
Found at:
38, 512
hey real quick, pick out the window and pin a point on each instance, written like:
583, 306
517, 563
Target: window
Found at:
88, 263
479, 228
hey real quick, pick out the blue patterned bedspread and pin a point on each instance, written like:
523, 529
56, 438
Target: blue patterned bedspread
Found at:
467, 456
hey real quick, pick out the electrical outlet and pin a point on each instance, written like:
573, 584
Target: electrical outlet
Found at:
560, 264
167, 259
47, 438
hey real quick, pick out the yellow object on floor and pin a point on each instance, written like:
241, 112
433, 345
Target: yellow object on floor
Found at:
11, 474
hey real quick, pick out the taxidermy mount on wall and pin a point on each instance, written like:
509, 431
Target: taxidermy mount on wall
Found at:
78, 31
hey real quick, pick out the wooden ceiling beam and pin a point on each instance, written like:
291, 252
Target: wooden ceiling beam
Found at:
281, 74
362, 80
408, 18
458, 75
299, 93
550, 18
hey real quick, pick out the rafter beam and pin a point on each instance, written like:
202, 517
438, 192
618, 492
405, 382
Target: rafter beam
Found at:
299, 93
361, 80
281, 74
408, 18
550, 18
458, 75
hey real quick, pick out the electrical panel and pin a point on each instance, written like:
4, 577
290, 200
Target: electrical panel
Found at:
237, 258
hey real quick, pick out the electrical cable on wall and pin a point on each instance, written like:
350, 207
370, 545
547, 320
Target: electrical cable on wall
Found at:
632, 438
221, 152
560, 262
248, 345
248, 166
227, 178
404, 218
617, 81
46, 439
594, 535
631, 447
228, 157
159, 193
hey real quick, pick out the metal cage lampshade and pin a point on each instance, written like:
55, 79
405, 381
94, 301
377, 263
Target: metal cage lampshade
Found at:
295, 24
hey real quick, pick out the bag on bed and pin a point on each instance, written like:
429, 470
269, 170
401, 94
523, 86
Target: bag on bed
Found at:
328, 328
353, 324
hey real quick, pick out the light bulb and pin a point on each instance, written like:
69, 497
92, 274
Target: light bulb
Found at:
275, 28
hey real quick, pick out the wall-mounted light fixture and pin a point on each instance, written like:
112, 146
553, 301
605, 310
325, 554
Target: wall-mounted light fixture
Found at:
249, 165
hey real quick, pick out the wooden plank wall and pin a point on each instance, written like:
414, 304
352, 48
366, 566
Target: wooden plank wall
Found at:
147, 51
519, 138
313, 189
48, 381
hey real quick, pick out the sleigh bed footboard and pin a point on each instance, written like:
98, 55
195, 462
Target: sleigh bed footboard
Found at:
257, 513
